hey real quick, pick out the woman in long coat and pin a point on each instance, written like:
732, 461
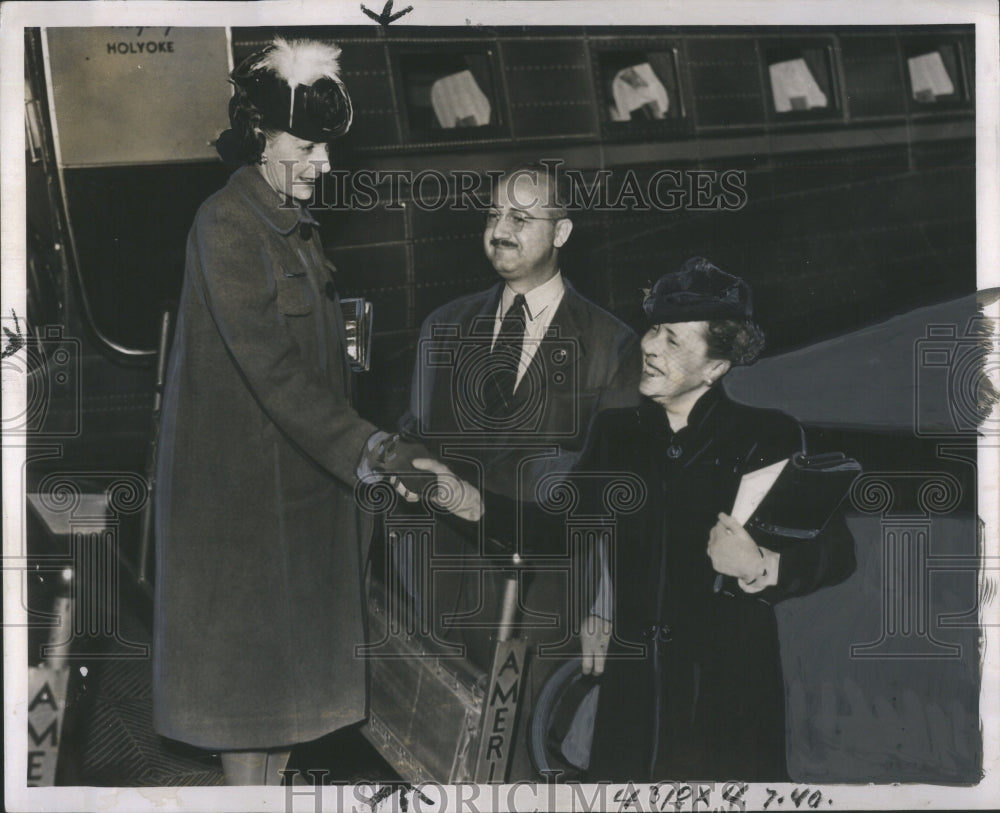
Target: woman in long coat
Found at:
702, 695
260, 542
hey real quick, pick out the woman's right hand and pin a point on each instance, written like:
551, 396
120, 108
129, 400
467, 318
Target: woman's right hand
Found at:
450, 491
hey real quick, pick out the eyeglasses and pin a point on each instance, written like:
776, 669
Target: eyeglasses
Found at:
516, 218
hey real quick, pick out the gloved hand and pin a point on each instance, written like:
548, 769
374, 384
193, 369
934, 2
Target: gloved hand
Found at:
595, 636
389, 456
452, 492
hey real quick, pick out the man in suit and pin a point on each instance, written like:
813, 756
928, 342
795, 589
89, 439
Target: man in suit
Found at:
506, 386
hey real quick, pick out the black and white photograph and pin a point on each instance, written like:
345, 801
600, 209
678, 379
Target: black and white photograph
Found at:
500, 405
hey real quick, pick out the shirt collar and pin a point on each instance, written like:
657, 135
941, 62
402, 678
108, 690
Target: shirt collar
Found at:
537, 299
281, 213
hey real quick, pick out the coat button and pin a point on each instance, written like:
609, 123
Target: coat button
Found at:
673, 452
331, 290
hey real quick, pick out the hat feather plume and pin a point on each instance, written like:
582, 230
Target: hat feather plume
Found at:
302, 62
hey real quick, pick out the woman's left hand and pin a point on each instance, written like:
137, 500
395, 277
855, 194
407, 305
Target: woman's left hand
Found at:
733, 551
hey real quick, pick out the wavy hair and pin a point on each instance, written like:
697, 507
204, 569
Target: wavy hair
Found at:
738, 342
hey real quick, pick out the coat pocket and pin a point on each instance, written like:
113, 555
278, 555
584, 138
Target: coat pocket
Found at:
293, 294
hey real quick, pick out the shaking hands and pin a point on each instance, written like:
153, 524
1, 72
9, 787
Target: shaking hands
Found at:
403, 464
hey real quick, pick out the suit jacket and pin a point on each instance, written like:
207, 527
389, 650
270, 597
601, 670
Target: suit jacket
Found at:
259, 539
588, 362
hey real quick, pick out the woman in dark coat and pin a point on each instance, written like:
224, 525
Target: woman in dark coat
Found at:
260, 542
702, 696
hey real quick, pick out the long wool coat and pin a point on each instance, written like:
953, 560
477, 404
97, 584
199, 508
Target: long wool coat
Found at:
702, 696
258, 604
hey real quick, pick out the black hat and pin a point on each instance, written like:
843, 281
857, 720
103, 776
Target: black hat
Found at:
698, 292
297, 88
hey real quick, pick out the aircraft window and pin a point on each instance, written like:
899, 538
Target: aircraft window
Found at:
450, 91
801, 80
935, 74
636, 89
640, 85
459, 102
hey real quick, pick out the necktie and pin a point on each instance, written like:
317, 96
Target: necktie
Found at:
511, 336
505, 358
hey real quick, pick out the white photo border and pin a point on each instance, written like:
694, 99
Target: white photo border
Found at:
16, 16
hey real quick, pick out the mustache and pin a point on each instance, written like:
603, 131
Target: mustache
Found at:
494, 241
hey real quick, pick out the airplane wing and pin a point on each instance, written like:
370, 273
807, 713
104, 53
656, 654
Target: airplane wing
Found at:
931, 370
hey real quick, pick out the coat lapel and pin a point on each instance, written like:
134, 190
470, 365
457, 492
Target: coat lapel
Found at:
482, 321
569, 326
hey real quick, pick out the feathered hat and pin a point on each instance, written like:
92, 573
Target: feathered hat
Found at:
296, 86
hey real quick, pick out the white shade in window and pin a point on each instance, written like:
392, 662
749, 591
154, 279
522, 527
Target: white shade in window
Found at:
929, 77
459, 102
794, 87
636, 87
